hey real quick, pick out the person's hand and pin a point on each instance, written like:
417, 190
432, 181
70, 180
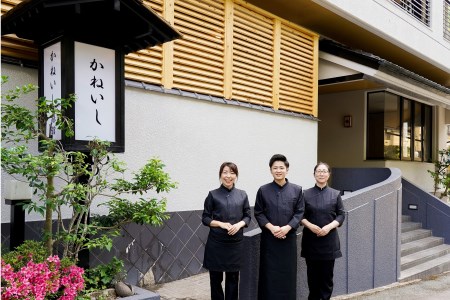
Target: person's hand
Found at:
275, 231
283, 231
280, 232
235, 228
324, 230
314, 228
225, 225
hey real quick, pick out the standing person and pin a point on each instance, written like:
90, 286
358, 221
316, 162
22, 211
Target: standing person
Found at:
278, 209
226, 212
324, 212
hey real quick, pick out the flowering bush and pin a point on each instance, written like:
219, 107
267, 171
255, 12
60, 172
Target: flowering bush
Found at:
39, 281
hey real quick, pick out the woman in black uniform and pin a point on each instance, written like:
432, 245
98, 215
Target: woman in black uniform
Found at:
226, 212
324, 212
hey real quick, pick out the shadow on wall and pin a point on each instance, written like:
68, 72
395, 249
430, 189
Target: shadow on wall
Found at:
370, 236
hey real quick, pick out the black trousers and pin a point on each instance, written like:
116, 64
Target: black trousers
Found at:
320, 278
231, 285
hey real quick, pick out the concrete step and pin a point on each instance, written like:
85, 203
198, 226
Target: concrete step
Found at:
419, 245
406, 218
435, 266
408, 226
420, 257
413, 235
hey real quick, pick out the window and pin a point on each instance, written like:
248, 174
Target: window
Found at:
420, 9
397, 128
447, 20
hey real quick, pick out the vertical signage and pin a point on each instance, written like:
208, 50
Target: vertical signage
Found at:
95, 107
52, 84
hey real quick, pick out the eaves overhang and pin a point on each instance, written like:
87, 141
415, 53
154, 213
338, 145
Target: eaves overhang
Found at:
125, 24
385, 73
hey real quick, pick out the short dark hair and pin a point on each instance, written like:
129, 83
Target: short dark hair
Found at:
322, 163
230, 165
278, 157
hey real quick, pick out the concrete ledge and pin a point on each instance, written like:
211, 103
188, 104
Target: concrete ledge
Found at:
248, 283
142, 294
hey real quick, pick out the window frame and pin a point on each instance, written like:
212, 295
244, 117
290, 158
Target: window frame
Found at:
426, 116
446, 20
419, 11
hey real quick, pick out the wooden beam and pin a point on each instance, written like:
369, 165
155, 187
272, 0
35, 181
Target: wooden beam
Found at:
276, 64
167, 62
228, 51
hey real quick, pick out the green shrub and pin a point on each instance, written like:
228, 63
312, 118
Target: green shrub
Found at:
103, 276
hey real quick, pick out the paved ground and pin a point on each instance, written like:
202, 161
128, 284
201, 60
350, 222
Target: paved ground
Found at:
191, 288
436, 288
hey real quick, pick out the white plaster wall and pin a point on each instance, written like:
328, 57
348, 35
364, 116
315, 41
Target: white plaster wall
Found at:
17, 77
193, 137
386, 19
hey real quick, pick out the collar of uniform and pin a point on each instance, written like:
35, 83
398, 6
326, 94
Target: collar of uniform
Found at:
319, 188
281, 186
225, 188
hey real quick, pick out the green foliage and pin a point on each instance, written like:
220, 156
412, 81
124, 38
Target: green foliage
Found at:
441, 175
30, 249
103, 176
20, 256
103, 276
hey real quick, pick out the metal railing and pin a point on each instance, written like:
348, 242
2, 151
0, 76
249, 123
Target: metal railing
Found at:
447, 20
419, 9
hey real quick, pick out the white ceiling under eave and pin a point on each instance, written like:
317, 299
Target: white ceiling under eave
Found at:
382, 79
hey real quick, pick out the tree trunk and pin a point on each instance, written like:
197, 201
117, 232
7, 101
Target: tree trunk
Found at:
48, 225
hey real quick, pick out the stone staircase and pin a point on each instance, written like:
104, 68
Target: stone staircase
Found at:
422, 255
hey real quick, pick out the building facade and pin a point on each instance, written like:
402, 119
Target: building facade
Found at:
352, 83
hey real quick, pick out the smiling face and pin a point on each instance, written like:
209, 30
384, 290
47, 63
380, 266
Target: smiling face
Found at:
321, 174
228, 177
279, 171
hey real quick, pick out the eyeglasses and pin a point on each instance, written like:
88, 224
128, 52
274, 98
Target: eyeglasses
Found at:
321, 171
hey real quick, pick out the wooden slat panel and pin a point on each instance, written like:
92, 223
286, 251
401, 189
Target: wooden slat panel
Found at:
199, 54
244, 95
211, 74
147, 65
197, 86
145, 75
197, 50
8, 4
252, 56
13, 46
198, 62
297, 91
251, 76
207, 60
253, 27
155, 5
256, 69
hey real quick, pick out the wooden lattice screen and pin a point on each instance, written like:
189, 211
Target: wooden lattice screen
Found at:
229, 49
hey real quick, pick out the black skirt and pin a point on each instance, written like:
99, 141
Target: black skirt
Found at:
278, 267
223, 253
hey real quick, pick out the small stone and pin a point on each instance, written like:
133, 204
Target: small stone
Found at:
123, 289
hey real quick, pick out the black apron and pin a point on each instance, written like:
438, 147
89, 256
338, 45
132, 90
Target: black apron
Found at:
223, 253
278, 267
